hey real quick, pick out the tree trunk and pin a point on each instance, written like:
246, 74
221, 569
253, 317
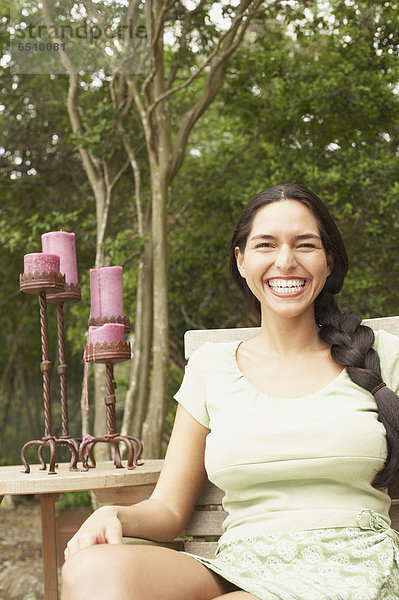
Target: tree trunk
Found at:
153, 425
137, 396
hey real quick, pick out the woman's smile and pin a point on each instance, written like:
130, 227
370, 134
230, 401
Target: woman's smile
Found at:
287, 287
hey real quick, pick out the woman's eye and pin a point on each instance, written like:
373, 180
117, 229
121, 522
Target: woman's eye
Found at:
307, 246
264, 245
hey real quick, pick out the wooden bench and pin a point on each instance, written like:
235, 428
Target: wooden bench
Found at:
205, 526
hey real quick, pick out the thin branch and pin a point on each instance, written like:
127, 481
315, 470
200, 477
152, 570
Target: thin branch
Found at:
131, 159
154, 42
104, 217
119, 174
132, 86
212, 85
73, 112
215, 53
96, 14
183, 40
126, 107
137, 181
52, 28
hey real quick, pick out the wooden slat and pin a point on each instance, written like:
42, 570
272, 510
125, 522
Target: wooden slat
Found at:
210, 495
394, 489
394, 514
204, 549
205, 523
195, 338
174, 545
390, 324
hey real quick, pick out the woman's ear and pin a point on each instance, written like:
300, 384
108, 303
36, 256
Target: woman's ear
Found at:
240, 261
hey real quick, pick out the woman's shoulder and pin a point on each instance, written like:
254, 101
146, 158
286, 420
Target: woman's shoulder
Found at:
210, 352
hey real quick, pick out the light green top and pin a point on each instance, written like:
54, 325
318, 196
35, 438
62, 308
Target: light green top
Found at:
289, 464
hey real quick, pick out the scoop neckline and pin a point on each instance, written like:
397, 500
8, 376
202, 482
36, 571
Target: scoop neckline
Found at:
250, 385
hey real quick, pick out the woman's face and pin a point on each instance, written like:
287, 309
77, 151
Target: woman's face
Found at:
284, 262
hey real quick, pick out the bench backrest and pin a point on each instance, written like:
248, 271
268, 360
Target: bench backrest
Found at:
206, 523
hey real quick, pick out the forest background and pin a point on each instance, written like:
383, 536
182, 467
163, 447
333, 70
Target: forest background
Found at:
151, 170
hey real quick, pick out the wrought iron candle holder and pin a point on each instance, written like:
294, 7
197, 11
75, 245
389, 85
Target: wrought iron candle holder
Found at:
109, 354
71, 294
50, 284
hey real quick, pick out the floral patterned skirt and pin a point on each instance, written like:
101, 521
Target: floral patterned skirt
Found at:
341, 563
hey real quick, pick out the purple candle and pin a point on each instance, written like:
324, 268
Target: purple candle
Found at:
106, 291
108, 333
62, 243
38, 262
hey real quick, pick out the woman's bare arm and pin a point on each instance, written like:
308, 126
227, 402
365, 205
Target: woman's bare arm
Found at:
165, 514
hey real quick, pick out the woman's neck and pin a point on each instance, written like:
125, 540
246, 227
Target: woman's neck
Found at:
288, 337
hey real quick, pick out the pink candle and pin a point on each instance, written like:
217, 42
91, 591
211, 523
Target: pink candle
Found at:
108, 333
63, 244
106, 291
37, 262
95, 302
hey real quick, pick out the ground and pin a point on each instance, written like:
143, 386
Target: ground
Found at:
20, 553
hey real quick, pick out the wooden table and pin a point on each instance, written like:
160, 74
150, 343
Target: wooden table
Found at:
111, 485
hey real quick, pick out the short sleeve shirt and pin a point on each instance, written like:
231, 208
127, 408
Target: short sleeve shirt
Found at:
289, 463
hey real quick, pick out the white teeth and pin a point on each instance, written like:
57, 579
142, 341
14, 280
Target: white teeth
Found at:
286, 286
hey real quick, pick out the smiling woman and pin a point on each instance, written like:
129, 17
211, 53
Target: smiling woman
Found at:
271, 242
298, 426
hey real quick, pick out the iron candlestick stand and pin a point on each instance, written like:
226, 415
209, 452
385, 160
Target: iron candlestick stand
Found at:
109, 354
71, 293
42, 284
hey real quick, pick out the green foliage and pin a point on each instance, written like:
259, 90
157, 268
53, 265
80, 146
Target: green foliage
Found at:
69, 500
100, 135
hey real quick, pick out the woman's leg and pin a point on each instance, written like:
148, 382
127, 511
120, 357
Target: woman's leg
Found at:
115, 572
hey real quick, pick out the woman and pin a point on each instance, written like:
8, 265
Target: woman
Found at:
298, 425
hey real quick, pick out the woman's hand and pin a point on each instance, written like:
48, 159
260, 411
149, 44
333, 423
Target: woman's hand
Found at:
102, 527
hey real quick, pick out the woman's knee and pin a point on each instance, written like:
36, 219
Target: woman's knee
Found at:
97, 570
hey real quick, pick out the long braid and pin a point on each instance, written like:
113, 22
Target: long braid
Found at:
351, 346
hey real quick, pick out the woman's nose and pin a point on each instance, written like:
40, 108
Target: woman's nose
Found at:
285, 258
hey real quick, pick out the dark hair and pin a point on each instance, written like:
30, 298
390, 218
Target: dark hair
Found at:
351, 342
